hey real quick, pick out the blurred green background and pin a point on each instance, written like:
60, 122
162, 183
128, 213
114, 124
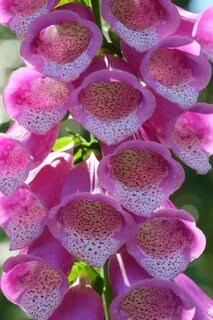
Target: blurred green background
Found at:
196, 195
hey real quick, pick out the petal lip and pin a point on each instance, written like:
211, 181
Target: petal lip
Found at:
57, 17
144, 110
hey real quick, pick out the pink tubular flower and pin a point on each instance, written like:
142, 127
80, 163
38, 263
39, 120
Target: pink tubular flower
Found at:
141, 24
90, 227
110, 102
140, 175
166, 242
187, 21
203, 32
80, 303
152, 299
18, 15
61, 45
47, 179
22, 216
203, 304
36, 102
33, 285
176, 70
15, 164
38, 145
51, 251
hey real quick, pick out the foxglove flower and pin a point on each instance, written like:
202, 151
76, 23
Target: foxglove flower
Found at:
61, 45
23, 217
38, 145
15, 164
47, 179
203, 33
18, 15
203, 304
176, 70
141, 24
80, 303
51, 251
189, 134
187, 21
152, 299
166, 242
140, 175
110, 102
90, 227
33, 285
36, 102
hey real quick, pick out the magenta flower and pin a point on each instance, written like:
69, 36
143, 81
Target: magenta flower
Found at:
110, 102
166, 242
203, 304
38, 145
61, 45
51, 251
15, 164
52, 172
80, 303
187, 21
18, 15
152, 299
23, 217
33, 285
203, 32
141, 24
36, 102
176, 70
90, 227
140, 175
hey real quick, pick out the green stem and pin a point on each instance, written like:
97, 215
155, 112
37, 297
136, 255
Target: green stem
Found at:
107, 292
97, 12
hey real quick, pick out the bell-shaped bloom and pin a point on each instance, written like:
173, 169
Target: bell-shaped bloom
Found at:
80, 9
152, 299
61, 45
36, 102
140, 175
177, 70
33, 285
203, 303
141, 24
23, 217
18, 15
51, 251
15, 164
92, 227
110, 102
20, 152
188, 135
203, 32
47, 180
38, 145
166, 242
80, 303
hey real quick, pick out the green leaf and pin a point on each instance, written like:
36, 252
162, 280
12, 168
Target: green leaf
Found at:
4, 127
61, 143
